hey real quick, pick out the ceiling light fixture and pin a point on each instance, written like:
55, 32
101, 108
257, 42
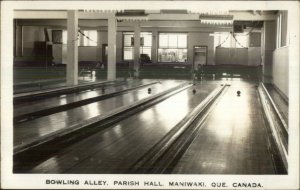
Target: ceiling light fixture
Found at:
216, 19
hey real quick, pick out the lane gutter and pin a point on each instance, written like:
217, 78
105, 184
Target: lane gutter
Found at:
278, 132
278, 114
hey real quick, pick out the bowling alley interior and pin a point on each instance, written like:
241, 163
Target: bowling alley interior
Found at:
142, 91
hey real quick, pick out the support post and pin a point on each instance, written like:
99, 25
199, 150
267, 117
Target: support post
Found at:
72, 48
137, 43
154, 46
111, 58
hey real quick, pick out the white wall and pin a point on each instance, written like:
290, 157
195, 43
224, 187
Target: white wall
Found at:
281, 69
254, 56
269, 45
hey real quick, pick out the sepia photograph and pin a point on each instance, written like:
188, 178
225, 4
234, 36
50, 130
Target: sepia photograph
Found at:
150, 95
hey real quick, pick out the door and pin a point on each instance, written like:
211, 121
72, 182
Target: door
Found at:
200, 56
104, 53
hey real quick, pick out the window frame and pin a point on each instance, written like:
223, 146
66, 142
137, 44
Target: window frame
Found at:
232, 41
158, 47
82, 39
132, 47
53, 34
247, 41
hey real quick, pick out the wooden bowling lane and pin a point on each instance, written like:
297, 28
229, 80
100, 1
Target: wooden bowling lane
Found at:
281, 104
233, 140
117, 148
28, 131
41, 104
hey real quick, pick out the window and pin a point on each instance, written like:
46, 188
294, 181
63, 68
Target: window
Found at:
227, 40
128, 44
282, 29
222, 39
172, 47
146, 40
88, 38
64, 37
85, 38
255, 39
241, 41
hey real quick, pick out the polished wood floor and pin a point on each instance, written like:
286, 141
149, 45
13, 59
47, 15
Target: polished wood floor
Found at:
233, 140
116, 148
29, 131
29, 106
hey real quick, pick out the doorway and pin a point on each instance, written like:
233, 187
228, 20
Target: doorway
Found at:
104, 54
200, 56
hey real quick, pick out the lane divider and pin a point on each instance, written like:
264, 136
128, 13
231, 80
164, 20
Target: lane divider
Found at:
164, 154
55, 109
278, 131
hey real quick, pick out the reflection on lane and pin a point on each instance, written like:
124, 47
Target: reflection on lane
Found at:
24, 107
169, 111
30, 130
233, 111
115, 149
